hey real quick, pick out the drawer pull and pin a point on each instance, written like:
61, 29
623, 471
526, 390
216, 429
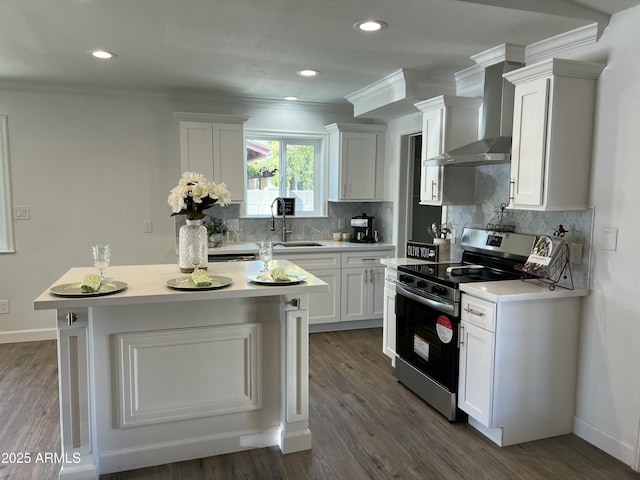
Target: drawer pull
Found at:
294, 302
470, 311
71, 318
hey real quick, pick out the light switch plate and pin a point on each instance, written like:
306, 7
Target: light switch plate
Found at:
21, 213
610, 240
4, 306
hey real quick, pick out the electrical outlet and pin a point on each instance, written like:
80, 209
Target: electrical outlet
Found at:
341, 223
148, 226
4, 306
233, 224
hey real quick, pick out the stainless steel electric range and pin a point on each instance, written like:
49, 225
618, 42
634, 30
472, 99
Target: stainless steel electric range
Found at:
428, 312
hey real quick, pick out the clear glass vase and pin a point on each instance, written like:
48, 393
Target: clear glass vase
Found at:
193, 233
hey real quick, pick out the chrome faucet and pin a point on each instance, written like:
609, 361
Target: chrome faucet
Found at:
284, 218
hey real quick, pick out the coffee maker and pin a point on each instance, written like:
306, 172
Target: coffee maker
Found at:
362, 229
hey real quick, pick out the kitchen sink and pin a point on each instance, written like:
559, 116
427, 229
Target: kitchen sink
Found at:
298, 244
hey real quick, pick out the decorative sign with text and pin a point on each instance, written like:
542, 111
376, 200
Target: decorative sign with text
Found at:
422, 251
289, 206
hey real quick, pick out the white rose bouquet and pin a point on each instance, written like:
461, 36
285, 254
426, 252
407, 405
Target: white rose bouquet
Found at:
194, 193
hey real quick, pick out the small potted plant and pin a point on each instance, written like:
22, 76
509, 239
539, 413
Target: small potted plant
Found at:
216, 230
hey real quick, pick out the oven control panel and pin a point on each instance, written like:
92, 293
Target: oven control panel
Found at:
428, 288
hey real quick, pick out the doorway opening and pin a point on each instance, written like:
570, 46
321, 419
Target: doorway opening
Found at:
419, 217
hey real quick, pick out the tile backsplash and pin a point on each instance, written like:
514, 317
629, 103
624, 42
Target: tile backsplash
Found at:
317, 228
492, 189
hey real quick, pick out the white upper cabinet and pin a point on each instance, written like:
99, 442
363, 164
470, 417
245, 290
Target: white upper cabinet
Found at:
447, 122
213, 145
356, 156
552, 134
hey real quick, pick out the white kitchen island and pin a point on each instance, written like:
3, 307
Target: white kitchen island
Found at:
152, 375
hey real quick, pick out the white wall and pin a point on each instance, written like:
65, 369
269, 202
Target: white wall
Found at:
91, 166
608, 408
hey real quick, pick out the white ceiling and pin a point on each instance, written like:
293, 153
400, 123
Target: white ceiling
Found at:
253, 48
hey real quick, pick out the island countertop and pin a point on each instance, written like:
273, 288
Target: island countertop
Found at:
148, 284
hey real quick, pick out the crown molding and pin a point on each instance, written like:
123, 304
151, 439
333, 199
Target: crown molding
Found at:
556, 46
555, 67
394, 95
501, 53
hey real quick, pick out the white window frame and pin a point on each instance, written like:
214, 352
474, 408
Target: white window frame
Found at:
6, 209
320, 174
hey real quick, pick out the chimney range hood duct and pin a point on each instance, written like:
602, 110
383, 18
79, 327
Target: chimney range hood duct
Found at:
496, 127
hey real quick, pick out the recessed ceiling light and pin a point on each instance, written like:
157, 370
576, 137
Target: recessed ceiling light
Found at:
291, 98
308, 72
371, 25
102, 54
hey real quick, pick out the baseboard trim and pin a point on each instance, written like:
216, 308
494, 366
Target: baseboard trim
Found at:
112, 461
37, 335
604, 441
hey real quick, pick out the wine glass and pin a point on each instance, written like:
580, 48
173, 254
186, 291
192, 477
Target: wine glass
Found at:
196, 255
266, 253
101, 258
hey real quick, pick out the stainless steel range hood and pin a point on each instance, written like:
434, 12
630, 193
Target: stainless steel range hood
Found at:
496, 127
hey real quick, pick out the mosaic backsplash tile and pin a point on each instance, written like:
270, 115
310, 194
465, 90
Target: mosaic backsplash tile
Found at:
256, 229
492, 190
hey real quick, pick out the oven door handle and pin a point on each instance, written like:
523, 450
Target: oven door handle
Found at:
441, 307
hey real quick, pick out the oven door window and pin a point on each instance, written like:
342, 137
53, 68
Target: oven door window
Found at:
428, 340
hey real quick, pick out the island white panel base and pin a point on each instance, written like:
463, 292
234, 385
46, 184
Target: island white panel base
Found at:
150, 384
194, 364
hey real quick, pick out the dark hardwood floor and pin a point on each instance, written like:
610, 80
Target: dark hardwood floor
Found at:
365, 426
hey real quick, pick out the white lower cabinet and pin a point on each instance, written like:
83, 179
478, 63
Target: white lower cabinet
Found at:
362, 293
323, 307
477, 348
356, 287
518, 367
363, 285
389, 318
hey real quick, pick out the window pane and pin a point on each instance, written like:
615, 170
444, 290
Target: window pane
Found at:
284, 166
6, 222
263, 175
300, 170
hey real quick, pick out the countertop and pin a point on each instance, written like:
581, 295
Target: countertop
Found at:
148, 284
326, 246
502, 291
518, 291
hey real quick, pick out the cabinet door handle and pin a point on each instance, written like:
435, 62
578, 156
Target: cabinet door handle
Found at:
512, 189
461, 335
471, 311
71, 318
433, 193
294, 302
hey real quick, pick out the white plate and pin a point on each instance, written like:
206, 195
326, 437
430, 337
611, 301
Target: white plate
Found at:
264, 278
185, 283
74, 289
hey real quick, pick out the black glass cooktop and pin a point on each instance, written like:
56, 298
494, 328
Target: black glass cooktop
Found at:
471, 269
